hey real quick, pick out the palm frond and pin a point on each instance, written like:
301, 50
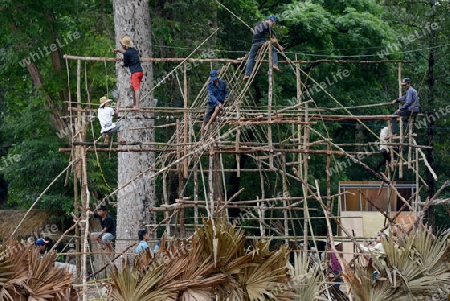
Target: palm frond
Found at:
33, 276
412, 267
304, 280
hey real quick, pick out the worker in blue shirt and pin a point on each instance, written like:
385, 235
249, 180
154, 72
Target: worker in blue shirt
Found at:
411, 106
217, 95
144, 236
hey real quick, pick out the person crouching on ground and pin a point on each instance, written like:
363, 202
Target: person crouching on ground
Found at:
105, 116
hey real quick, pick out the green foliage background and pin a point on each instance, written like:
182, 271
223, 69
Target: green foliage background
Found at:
310, 30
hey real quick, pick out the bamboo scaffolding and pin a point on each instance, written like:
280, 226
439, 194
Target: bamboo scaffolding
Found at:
241, 131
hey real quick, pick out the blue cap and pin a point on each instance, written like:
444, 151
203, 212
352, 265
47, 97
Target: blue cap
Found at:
213, 75
272, 18
41, 242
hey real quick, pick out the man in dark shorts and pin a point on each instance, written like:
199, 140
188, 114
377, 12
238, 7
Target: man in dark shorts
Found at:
217, 95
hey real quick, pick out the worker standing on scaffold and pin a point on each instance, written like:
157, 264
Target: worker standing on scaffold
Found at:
131, 59
259, 38
217, 95
410, 108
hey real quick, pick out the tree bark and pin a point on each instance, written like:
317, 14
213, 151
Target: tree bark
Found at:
132, 18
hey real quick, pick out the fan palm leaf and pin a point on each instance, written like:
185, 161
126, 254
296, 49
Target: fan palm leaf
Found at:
267, 277
413, 267
32, 277
304, 280
135, 284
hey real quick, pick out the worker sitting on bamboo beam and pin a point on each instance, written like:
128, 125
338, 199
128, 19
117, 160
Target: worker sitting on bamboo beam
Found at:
217, 95
105, 116
108, 233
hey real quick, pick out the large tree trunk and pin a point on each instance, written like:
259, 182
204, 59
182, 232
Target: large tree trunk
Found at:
132, 18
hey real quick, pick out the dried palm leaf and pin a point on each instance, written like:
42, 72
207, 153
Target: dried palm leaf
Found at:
135, 284
267, 278
197, 295
412, 267
35, 277
5, 267
304, 280
363, 288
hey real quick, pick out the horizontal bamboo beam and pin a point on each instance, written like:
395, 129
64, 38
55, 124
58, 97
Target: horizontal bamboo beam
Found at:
236, 61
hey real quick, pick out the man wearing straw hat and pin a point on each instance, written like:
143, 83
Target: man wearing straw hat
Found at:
131, 60
105, 116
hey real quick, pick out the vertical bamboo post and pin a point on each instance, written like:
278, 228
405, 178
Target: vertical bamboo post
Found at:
262, 214
210, 182
166, 202
84, 217
328, 208
305, 178
285, 196
195, 171
185, 139
299, 117
180, 176
76, 206
80, 170
417, 198
410, 142
269, 106
400, 155
238, 138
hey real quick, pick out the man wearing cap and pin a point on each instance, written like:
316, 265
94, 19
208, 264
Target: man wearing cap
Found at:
217, 95
411, 105
259, 38
131, 59
108, 232
105, 116
41, 245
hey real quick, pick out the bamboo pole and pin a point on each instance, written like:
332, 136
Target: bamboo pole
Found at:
305, 179
166, 202
185, 119
262, 211
206, 60
400, 168
195, 171
180, 175
210, 182
81, 168
238, 139
269, 106
285, 196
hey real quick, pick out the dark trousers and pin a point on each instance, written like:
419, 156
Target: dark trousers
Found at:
405, 118
251, 57
386, 158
